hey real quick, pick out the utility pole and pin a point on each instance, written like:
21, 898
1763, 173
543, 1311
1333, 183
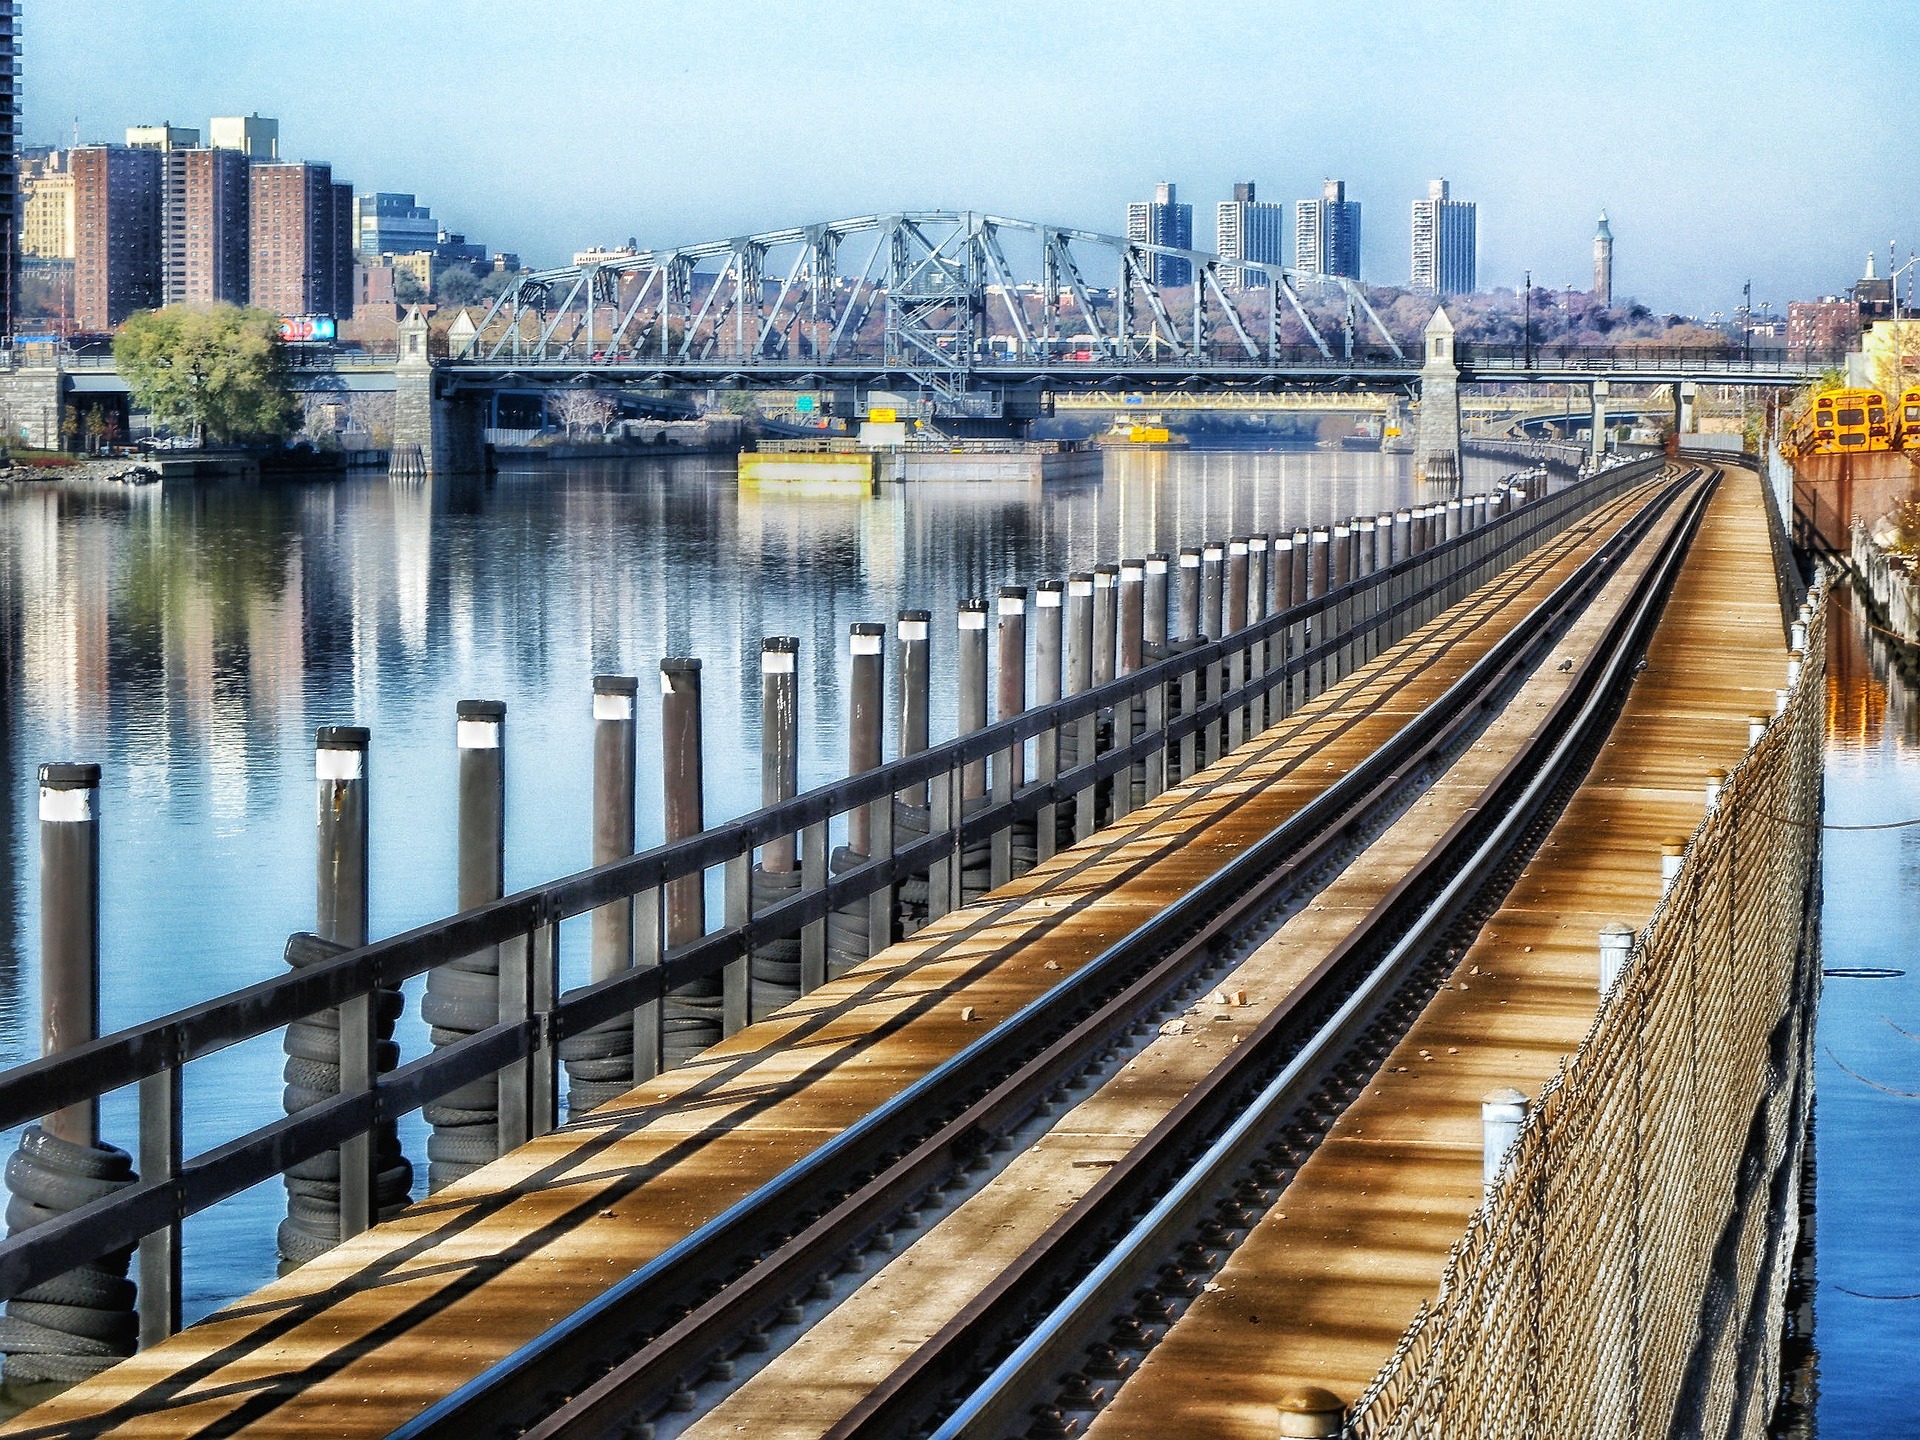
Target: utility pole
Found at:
1527, 325
1746, 321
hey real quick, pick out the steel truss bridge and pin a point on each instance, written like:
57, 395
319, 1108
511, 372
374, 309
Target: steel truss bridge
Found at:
933, 302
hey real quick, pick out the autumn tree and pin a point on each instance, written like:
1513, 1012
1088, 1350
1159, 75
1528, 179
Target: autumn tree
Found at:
217, 370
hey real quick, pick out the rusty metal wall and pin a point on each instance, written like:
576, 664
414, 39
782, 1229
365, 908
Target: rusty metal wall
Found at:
1627, 1275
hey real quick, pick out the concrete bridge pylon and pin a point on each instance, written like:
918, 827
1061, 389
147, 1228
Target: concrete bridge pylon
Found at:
1436, 453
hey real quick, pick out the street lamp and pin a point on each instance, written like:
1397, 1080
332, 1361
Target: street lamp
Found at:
1746, 322
1526, 332
1899, 347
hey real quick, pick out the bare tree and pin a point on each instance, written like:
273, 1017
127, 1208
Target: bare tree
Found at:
578, 411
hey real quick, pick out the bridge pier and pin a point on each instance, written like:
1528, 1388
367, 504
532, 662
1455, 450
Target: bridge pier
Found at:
1436, 455
447, 430
30, 405
1600, 389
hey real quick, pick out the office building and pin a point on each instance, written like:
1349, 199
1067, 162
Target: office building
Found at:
301, 258
9, 150
1326, 233
1163, 220
1445, 243
254, 136
1603, 262
387, 223
216, 207
1245, 228
116, 216
46, 210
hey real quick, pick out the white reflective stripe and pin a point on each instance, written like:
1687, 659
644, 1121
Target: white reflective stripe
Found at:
865, 644
1131, 572
1079, 587
776, 662
973, 620
1047, 599
666, 683
1189, 560
913, 629
1011, 606
1283, 544
1156, 567
613, 707
477, 734
1259, 543
1103, 579
1213, 552
65, 805
338, 764
1238, 547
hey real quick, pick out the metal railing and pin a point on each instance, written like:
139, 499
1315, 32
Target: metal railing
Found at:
1262, 670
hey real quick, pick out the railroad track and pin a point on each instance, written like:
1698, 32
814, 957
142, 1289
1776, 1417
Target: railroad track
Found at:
640, 1350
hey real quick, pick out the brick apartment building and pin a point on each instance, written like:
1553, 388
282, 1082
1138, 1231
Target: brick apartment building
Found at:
117, 233
303, 232
216, 228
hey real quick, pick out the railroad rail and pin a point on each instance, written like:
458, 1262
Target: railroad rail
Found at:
636, 1351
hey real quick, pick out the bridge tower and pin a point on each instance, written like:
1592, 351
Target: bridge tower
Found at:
1436, 451
447, 432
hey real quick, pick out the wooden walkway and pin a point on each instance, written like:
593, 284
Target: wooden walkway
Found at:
1326, 1283
369, 1335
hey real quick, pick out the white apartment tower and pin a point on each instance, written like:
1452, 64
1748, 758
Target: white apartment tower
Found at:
1248, 229
1445, 240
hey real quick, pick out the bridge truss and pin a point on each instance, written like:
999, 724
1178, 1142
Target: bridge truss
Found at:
932, 296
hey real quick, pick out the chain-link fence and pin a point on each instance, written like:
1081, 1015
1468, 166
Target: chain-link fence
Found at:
1627, 1275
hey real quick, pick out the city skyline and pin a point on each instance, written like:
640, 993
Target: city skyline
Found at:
1603, 104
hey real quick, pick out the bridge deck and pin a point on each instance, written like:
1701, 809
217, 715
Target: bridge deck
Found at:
1327, 1281
367, 1336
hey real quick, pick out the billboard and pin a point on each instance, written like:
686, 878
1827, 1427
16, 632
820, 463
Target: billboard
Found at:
307, 329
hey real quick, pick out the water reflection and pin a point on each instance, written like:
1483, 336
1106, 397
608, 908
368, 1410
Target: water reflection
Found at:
190, 638
1868, 1237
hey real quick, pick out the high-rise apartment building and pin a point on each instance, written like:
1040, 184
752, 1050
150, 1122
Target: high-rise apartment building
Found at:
1326, 233
392, 224
1445, 242
254, 136
9, 172
216, 231
1245, 228
46, 209
301, 260
1163, 220
173, 142
116, 209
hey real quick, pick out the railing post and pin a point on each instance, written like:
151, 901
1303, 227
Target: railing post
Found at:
1009, 765
1079, 628
693, 1009
1048, 614
340, 904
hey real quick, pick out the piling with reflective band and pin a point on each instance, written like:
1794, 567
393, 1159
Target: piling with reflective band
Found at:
1383, 540
337, 1195
613, 789
692, 1019
1012, 846
1133, 635
1780, 698
1716, 781
1302, 564
1756, 729
1452, 528
863, 927
866, 719
1190, 627
1616, 945
1673, 854
1049, 638
912, 712
1367, 529
1402, 535
1796, 661
1238, 580
970, 668
463, 996
1259, 577
1309, 1413
1502, 1113
1154, 604
75, 1325
1212, 591
772, 974
1106, 621
1341, 556
1319, 563
1077, 739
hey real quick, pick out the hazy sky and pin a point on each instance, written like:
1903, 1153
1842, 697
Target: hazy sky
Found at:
1776, 140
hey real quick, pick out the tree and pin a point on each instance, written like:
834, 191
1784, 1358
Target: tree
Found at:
581, 410
407, 288
457, 285
219, 370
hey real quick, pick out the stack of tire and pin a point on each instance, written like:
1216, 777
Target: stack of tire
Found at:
462, 999
312, 1073
599, 1066
72, 1327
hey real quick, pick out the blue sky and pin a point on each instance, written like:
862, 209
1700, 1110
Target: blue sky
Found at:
1711, 133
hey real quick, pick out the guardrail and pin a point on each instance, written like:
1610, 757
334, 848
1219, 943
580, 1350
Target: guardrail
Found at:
1250, 676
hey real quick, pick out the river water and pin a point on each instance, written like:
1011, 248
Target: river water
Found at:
190, 638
